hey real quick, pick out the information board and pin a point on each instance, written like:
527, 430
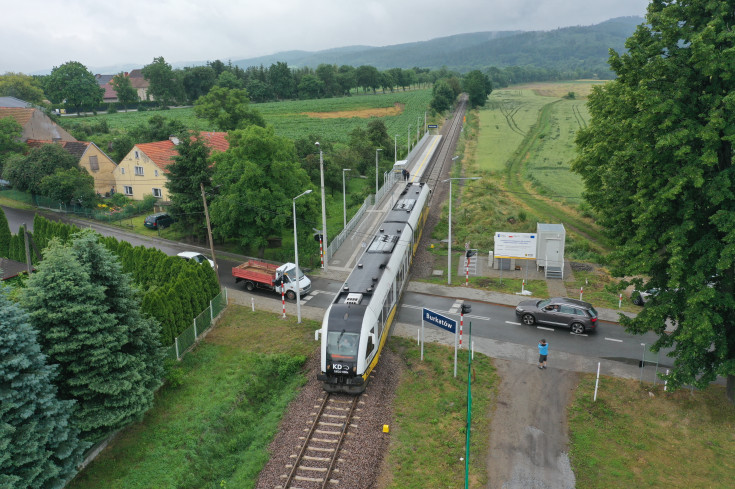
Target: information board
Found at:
515, 245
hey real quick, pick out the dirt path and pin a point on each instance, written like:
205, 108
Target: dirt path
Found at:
528, 434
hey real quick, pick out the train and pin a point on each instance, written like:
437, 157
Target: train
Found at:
357, 323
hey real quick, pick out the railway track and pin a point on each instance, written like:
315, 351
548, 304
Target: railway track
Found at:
442, 160
314, 466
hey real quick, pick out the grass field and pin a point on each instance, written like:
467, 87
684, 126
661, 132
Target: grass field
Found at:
630, 438
211, 426
522, 145
301, 118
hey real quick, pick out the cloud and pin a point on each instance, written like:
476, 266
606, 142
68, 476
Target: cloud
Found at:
40, 34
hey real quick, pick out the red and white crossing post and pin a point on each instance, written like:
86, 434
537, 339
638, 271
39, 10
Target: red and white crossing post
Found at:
283, 300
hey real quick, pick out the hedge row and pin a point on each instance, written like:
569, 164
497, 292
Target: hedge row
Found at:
174, 291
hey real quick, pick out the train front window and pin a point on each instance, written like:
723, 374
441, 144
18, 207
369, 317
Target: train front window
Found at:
341, 344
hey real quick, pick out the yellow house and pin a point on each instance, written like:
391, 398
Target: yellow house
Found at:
91, 158
143, 171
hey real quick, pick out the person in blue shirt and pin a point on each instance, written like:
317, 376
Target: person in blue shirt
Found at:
543, 351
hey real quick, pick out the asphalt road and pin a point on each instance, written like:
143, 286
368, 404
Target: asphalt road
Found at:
493, 321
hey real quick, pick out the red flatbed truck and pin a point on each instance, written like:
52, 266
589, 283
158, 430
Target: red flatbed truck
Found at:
264, 275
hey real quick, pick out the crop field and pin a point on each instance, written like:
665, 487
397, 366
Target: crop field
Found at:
548, 163
331, 119
504, 123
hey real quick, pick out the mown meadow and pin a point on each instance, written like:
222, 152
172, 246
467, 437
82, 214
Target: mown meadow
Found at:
331, 118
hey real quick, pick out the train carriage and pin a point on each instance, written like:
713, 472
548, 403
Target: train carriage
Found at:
357, 323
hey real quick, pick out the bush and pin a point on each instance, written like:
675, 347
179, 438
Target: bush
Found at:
112, 109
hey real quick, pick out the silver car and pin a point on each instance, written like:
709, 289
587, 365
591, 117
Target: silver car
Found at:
579, 316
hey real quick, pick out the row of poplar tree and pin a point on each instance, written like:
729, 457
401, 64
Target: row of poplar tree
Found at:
81, 352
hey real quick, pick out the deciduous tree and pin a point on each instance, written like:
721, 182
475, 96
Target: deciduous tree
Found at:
228, 109
26, 172
126, 94
478, 87
71, 185
165, 85
657, 162
21, 86
75, 86
259, 176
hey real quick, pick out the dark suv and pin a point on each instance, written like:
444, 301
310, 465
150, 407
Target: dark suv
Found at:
579, 316
158, 221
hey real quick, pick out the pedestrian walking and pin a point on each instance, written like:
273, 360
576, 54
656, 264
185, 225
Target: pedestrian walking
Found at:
543, 352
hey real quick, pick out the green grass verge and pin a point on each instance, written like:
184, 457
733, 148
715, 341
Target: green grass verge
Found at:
211, 425
428, 441
630, 439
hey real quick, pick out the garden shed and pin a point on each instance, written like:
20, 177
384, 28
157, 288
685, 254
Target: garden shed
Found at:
550, 249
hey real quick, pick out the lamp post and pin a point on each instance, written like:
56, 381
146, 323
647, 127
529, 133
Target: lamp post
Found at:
324, 207
409, 140
376, 169
344, 197
395, 149
296, 252
449, 244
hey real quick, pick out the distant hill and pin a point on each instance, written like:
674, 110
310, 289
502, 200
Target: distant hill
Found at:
568, 48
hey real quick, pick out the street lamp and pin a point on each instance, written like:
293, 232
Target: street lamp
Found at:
376, 170
324, 207
344, 196
449, 247
296, 252
409, 140
395, 149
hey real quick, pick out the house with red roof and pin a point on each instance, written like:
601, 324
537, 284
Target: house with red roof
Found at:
144, 170
91, 158
36, 124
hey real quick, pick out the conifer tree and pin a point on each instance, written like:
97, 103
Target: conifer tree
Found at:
4, 236
90, 324
39, 448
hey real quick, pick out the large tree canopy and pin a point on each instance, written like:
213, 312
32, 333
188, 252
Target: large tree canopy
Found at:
258, 177
228, 109
75, 86
657, 164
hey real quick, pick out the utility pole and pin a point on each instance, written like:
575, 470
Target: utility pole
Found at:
209, 233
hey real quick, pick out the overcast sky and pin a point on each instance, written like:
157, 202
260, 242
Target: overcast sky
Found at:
37, 35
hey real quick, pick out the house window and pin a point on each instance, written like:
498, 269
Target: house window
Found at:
93, 163
138, 171
157, 193
155, 172
137, 155
128, 190
122, 170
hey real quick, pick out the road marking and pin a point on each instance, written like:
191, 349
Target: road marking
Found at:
547, 329
455, 307
614, 339
511, 322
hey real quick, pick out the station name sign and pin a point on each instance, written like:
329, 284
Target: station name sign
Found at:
441, 321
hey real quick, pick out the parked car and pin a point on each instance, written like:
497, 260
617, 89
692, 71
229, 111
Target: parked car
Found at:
158, 221
197, 257
640, 297
577, 315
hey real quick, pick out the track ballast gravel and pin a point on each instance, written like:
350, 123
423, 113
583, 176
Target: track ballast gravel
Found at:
362, 453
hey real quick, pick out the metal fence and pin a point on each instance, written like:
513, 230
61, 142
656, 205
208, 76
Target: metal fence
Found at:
200, 324
389, 180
